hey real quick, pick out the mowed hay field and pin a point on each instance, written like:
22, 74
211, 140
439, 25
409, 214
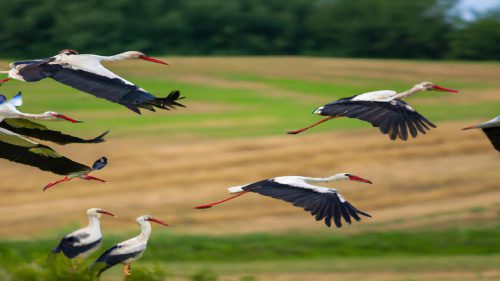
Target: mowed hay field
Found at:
233, 132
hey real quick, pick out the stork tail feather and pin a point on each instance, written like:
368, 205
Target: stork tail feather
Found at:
169, 102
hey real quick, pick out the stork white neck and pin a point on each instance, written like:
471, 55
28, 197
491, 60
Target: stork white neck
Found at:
414, 90
121, 56
328, 179
145, 230
94, 223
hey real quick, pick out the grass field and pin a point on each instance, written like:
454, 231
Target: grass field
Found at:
233, 132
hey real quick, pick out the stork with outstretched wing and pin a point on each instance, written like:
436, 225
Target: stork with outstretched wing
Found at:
86, 73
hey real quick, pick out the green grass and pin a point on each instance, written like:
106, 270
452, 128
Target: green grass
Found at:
184, 255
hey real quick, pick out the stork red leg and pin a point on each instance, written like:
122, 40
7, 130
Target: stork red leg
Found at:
127, 270
206, 206
88, 177
309, 127
56, 182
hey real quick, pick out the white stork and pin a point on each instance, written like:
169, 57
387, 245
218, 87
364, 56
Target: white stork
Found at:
322, 202
384, 109
491, 129
85, 241
15, 121
8, 109
127, 251
86, 73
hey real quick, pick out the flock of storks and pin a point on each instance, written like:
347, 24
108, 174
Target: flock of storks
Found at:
383, 109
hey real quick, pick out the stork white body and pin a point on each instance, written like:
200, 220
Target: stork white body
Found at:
127, 251
85, 241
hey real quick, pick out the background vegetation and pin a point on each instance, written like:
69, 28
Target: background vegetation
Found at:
365, 28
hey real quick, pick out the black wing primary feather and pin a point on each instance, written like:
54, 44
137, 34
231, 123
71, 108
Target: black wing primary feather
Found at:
42, 157
325, 206
395, 118
31, 129
111, 89
493, 135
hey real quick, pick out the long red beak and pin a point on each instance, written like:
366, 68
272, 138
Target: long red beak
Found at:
443, 89
106, 213
4, 80
158, 221
66, 118
356, 178
146, 58
470, 127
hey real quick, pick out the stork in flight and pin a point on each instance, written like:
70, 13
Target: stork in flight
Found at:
491, 129
322, 202
127, 251
384, 109
86, 73
85, 241
16, 121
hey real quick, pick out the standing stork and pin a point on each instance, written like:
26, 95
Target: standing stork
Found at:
491, 129
322, 202
83, 242
86, 73
384, 109
15, 121
127, 251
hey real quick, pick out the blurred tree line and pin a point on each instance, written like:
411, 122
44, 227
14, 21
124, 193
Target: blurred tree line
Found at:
345, 28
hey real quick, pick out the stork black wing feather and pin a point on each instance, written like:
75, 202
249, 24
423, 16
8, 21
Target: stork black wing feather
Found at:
32, 70
493, 135
31, 129
394, 118
42, 157
111, 89
321, 205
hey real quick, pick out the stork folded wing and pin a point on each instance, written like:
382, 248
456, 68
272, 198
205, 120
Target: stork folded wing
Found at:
325, 206
31, 129
21, 150
395, 118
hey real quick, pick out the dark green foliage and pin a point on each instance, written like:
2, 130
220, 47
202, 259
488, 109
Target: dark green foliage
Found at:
362, 28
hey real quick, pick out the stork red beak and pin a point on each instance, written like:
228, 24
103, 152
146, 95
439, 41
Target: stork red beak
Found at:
356, 178
106, 213
4, 80
443, 89
471, 127
60, 116
158, 221
146, 58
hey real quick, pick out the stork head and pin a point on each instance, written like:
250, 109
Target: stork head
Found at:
68, 52
51, 115
429, 86
147, 218
495, 122
347, 176
97, 212
142, 56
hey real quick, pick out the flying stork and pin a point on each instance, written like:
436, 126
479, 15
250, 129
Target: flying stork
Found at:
15, 121
127, 251
86, 73
322, 202
384, 109
491, 129
83, 242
